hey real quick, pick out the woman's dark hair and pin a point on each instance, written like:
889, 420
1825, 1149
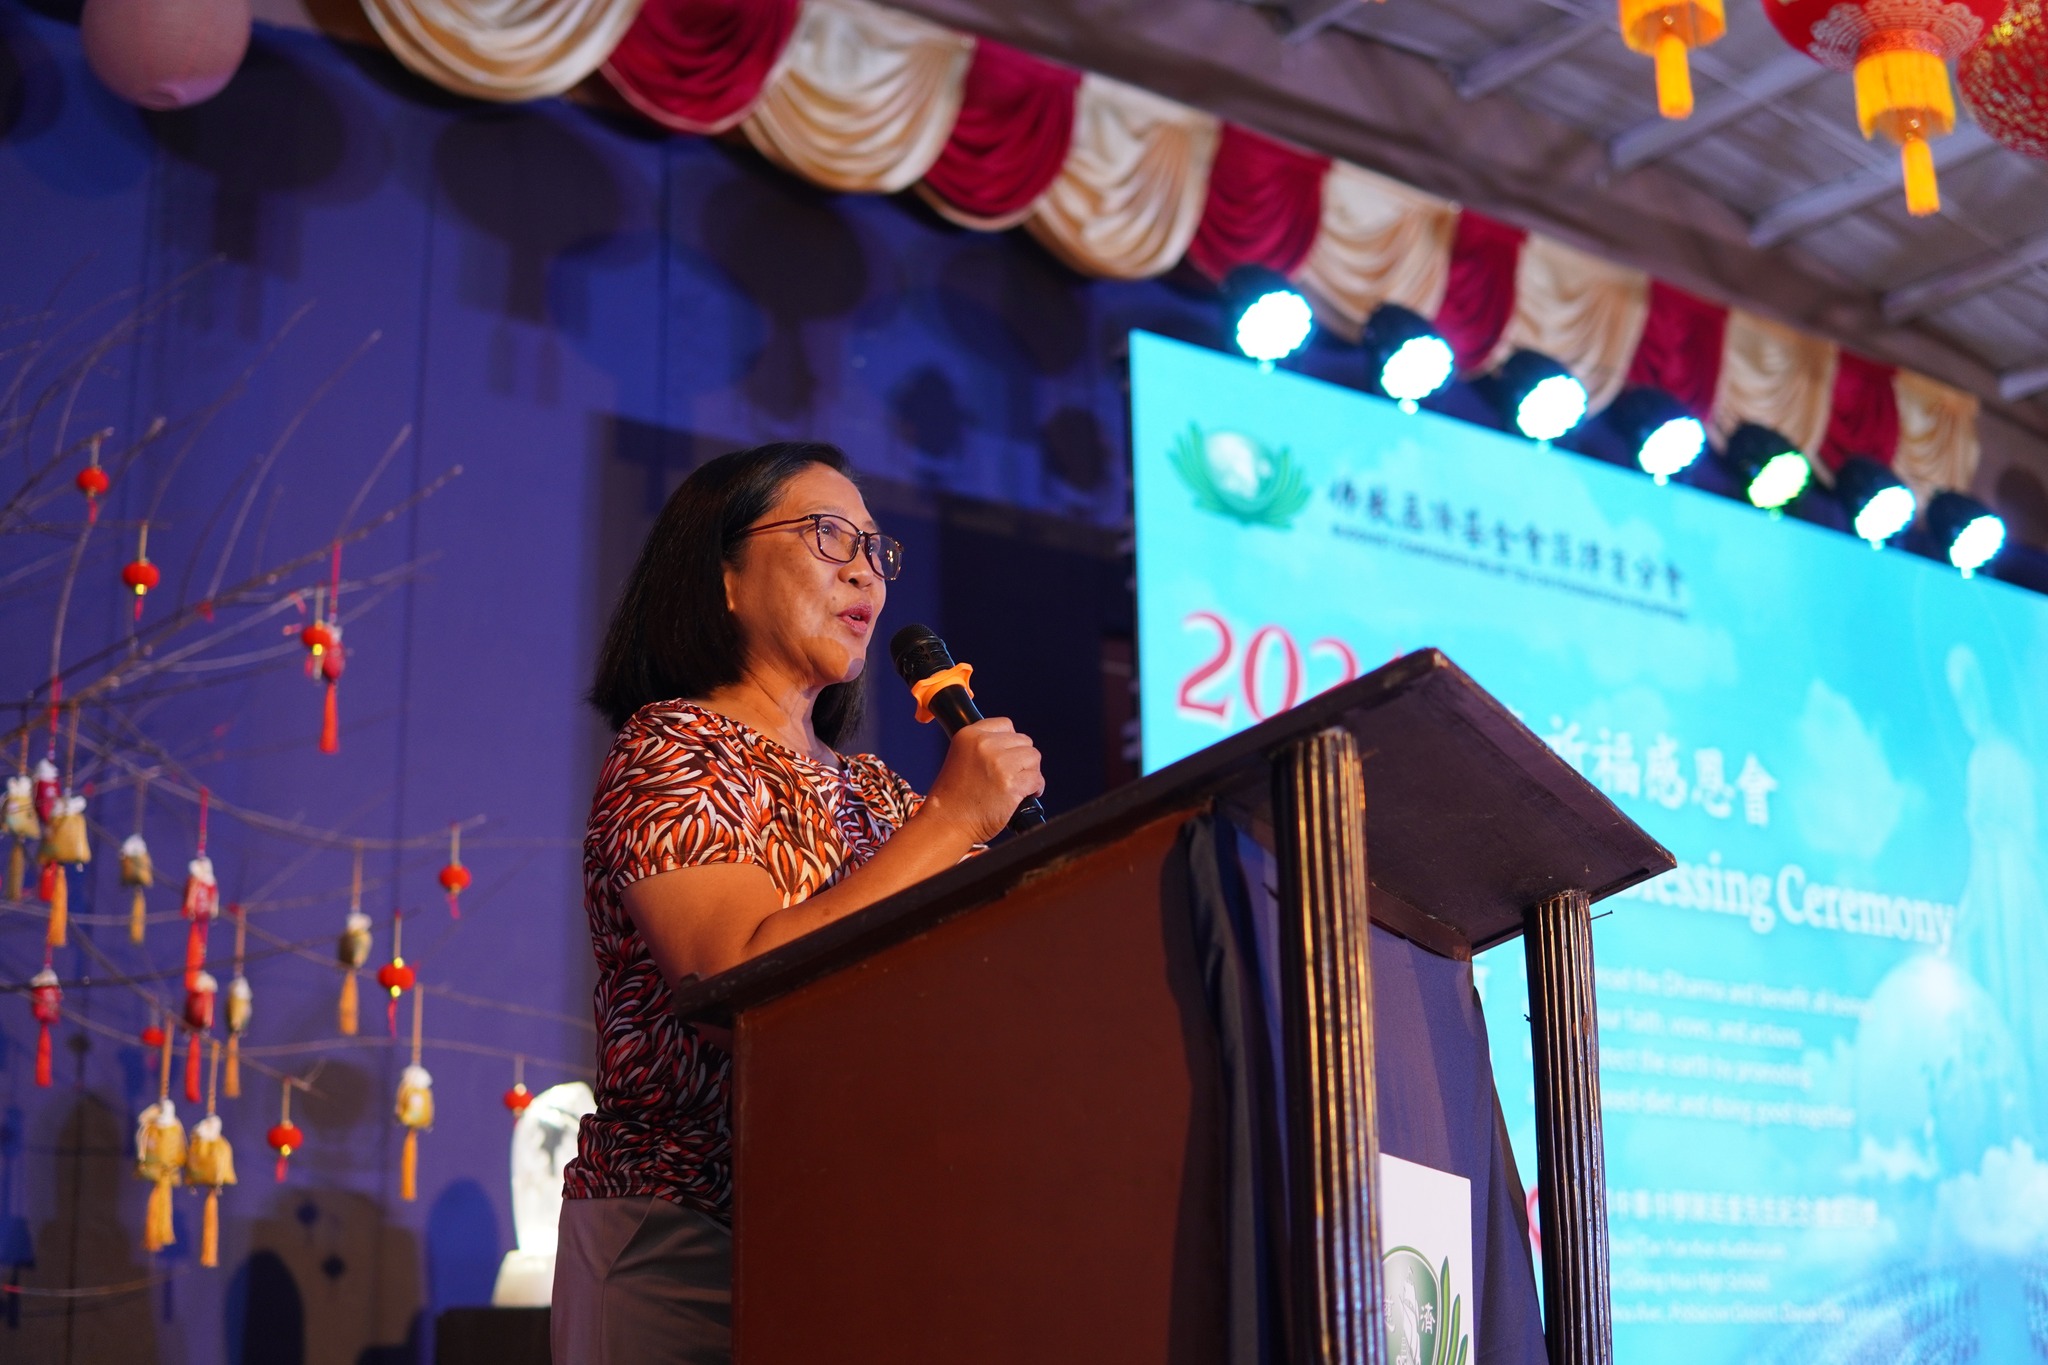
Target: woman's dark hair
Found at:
671, 635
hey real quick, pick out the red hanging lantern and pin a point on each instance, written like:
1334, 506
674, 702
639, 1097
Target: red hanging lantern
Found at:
285, 1137
140, 575
93, 482
454, 877
46, 999
333, 659
152, 1037
201, 906
2004, 78
517, 1098
48, 790
1898, 51
200, 994
394, 976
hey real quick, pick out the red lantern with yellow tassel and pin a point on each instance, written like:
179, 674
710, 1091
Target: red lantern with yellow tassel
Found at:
1898, 51
139, 574
210, 1165
454, 877
1666, 31
285, 1137
200, 994
46, 999
394, 976
2004, 79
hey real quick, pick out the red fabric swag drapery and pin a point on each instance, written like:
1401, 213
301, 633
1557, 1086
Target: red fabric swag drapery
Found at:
697, 66
1865, 418
1264, 205
1015, 126
1480, 295
1680, 352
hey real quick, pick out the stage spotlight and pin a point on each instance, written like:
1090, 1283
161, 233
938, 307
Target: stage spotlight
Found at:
1271, 319
1539, 396
1972, 533
1772, 469
1880, 505
1666, 437
1405, 356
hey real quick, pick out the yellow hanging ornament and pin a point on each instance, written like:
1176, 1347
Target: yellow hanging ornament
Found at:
22, 828
353, 950
415, 1109
241, 1001
138, 874
64, 845
209, 1165
160, 1159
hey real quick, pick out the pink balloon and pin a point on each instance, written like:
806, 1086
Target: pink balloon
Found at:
165, 54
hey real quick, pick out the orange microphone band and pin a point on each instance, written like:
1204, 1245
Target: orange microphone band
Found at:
924, 689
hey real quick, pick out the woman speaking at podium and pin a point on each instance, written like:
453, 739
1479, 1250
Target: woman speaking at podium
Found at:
725, 824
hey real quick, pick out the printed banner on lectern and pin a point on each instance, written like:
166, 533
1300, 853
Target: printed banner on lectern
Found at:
1426, 1249
1825, 1035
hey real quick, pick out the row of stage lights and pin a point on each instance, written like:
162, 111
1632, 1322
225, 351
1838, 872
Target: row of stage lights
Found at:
1408, 362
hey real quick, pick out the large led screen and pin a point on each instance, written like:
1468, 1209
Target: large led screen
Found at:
1824, 1037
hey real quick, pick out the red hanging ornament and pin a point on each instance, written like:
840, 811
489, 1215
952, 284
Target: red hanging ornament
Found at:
199, 997
93, 482
201, 907
140, 575
332, 661
48, 790
517, 1098
2004, 79
454, 877
1898, 50
152, 1037
46, 999
394, 976
285, 1136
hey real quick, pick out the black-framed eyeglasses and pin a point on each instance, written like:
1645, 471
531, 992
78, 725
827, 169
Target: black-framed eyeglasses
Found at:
839, 540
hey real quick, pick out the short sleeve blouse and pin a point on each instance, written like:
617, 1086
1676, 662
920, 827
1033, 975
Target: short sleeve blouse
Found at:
687, 787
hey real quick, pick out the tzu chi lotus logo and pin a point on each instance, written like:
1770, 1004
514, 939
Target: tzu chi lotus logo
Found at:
1425, 1320
1238, 477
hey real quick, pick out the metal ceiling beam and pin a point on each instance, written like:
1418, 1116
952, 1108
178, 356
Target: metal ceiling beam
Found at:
1306, 18
1504, 66
1964, 281
1823, 204
2014, 385
1657, 138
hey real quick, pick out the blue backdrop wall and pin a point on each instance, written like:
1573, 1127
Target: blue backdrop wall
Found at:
575, 311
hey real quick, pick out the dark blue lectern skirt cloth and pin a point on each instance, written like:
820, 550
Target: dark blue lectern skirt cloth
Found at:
1436, 1098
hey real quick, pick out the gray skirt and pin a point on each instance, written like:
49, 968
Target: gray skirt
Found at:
641, 1281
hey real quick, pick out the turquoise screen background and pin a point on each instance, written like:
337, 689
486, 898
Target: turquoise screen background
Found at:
1825, 1035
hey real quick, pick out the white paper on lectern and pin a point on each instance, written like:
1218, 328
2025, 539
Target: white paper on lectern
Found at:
1426, 1243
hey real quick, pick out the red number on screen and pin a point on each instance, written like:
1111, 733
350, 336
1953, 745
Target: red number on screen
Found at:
1347, 661
1289, 654
1226, 645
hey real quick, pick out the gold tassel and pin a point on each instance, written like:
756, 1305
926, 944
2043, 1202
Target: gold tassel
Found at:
1923, 193
348, 1005
17, 868
209, 1230
231, 1085
409, 1167
1674, 78
157, 1230
135, 917
60, 906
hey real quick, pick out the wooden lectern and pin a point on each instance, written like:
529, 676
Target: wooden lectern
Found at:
976, 1123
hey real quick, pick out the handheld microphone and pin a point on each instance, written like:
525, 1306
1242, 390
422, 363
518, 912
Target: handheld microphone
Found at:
942, 693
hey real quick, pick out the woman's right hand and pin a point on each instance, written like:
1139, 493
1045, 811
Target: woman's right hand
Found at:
989, 770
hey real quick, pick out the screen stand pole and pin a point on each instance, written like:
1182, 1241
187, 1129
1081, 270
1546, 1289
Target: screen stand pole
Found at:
1326, 997
1570, 1162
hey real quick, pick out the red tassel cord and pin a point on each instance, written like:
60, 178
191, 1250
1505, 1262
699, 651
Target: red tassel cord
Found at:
46, 999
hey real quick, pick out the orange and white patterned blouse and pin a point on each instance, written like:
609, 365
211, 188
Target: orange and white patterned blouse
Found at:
687, 787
